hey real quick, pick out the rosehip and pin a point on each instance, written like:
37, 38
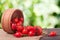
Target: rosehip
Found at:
19, 23
18, 34
31, 33
20, 28
38, 30
53, 33
13, 26
16, 20
21, 19
29, 28
24, 31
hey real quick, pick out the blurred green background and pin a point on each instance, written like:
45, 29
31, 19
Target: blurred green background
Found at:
44, 13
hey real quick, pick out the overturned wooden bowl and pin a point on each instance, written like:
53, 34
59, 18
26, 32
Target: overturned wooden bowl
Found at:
7, 16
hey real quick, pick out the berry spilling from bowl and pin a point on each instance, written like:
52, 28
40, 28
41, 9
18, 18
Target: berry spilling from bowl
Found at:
12, 22
20, 30
27, 30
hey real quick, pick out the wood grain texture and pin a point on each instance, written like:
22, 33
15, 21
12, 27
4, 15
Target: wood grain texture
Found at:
6, 36
57, 37
9, 15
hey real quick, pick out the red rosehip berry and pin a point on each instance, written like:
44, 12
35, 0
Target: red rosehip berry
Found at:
21, 19
29, 28
53, 33
18, 34
20, 28
16, 20
31, 33
24, 31
13, 26
38, 30
19, 23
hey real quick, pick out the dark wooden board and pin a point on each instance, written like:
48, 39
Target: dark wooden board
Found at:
57, 37
5, 36
51, 38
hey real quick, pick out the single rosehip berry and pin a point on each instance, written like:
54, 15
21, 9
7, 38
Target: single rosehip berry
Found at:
18, 34
19, 23
53, 33
24, 31
13, 26
30, 28
20, 28
31, 33
16, 20
38, 30
21, 19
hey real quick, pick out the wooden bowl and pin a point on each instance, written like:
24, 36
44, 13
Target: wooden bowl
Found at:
7, 16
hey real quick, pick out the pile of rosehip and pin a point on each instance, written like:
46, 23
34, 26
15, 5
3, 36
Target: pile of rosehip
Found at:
21, 30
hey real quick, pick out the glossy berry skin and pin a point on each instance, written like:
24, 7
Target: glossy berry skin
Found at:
29, 28
18, 34
20, 28
31, 33
21, 19
53, 33
25, 31
16, 20
19, 23
38, 30
13, 26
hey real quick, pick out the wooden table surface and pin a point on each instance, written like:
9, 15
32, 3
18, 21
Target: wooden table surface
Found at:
6, 36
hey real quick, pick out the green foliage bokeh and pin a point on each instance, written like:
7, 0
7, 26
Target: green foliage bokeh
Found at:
36, 12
